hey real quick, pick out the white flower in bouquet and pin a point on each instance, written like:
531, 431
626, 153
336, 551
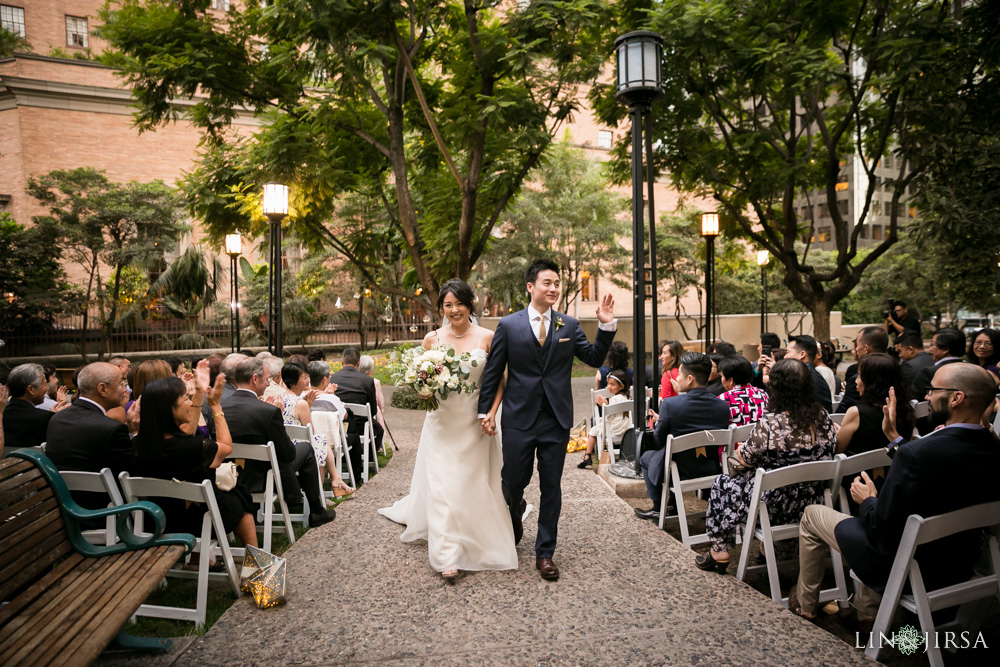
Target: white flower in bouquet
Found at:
433, 374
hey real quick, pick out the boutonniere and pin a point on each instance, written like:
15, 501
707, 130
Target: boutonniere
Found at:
559, 323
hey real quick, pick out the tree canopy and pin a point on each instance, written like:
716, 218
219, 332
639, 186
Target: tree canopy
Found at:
441, 108
767, 102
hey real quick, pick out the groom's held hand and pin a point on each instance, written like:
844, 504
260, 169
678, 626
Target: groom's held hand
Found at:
488, 425
606, 309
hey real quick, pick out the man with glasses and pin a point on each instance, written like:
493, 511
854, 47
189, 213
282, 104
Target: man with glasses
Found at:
83, 437
900, 320
23, 424
947, 470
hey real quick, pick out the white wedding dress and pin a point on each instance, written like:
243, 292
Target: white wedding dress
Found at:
455, 500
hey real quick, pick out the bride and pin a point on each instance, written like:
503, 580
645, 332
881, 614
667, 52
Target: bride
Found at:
455, 500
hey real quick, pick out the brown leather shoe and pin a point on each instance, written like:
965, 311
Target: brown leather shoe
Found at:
547, 568
516, 520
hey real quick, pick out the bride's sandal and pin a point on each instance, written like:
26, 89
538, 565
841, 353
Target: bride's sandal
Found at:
450, 574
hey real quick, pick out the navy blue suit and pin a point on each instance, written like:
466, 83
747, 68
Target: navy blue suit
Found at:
697, 410
537, 407
945, 471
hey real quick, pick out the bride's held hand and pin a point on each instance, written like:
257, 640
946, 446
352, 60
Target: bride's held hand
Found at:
488, 425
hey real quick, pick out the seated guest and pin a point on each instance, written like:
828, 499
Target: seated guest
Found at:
317, 355
714, 379
695, 410
274, 386
617, 424
861, 430
177, 367
796, 429
947, 347
252, 421
984, 350
82, 437
771, 341
353, 386
826, 365
52, 395
671, 352
228, 368
167, 447
870, 340
618, 359
367, 366
124, 365
949, 469
296, 407
326, 400
913, 358
724, 349
805, 349
747, 404
147, 372
23, 424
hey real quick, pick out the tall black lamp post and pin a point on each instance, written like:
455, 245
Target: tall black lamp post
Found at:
275, 208
638, 56
763, 257
234, 248
709, 229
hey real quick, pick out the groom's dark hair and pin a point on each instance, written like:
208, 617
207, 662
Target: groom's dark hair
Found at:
697, 365
537, 267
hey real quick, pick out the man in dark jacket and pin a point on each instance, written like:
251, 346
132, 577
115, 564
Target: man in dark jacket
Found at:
353, 386
913, 359
869, 340
950, 469
695, 409
251, 421
805, 349
24, 424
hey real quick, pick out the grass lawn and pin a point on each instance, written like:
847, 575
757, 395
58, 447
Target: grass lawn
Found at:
182, 592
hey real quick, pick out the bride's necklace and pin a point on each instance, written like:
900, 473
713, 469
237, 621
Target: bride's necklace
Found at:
460, 335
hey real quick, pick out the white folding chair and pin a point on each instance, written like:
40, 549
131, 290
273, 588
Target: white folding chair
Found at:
850, 466
97, 482
298, 433
603, 436
594, 407
330, 425
837, 398
996, 420
921, 409
827, 472
210, 542
737, 434
975, 595
367, 437
272, 490
672, 478
838, 418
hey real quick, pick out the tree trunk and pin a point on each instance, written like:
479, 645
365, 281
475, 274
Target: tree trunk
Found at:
361, 322
821, 321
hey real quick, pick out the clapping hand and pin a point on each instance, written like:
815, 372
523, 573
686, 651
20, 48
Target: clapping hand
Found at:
331, 388
132, 417
889, 416
202, 373
606, 309
310, 396
214, 397
863, 488
601, 400
4, 396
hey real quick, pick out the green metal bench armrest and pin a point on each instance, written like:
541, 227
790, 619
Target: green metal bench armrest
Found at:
73, 514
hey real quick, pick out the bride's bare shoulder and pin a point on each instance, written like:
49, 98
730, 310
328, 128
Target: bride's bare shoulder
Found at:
487, 339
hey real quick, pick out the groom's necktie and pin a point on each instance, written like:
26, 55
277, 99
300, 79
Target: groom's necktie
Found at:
541, 330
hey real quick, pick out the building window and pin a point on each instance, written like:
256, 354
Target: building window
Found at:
876, 207
222, 5
76, 31
842, 206
588, 287
604, 139
824, 211
864, 231
842, 183
912, 211
12, 19
824, 234
876, 232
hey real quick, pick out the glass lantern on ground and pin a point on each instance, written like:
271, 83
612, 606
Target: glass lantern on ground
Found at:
709, 230
275, 207
639, 82
234, 248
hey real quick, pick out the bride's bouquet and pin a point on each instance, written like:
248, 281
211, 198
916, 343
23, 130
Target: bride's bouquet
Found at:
434, 374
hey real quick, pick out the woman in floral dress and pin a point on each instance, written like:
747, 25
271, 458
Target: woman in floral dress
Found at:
796, 429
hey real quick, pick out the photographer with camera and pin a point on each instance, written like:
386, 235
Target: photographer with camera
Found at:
898, 319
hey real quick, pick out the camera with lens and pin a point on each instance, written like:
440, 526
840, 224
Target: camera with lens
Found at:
887, 313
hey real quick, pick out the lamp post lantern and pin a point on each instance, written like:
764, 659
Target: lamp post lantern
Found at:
639, 82
275, 198
763, 257
234, 248
709, 230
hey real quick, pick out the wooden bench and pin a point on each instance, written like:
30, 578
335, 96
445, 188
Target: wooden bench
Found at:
65, 599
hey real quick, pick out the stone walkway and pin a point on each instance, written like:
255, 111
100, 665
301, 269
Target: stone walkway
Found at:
627, 595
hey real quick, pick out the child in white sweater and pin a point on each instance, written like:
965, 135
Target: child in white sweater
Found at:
617, 423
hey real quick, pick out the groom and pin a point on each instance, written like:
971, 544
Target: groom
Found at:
536, 347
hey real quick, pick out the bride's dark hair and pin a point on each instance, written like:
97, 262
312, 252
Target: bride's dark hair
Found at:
461, 291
